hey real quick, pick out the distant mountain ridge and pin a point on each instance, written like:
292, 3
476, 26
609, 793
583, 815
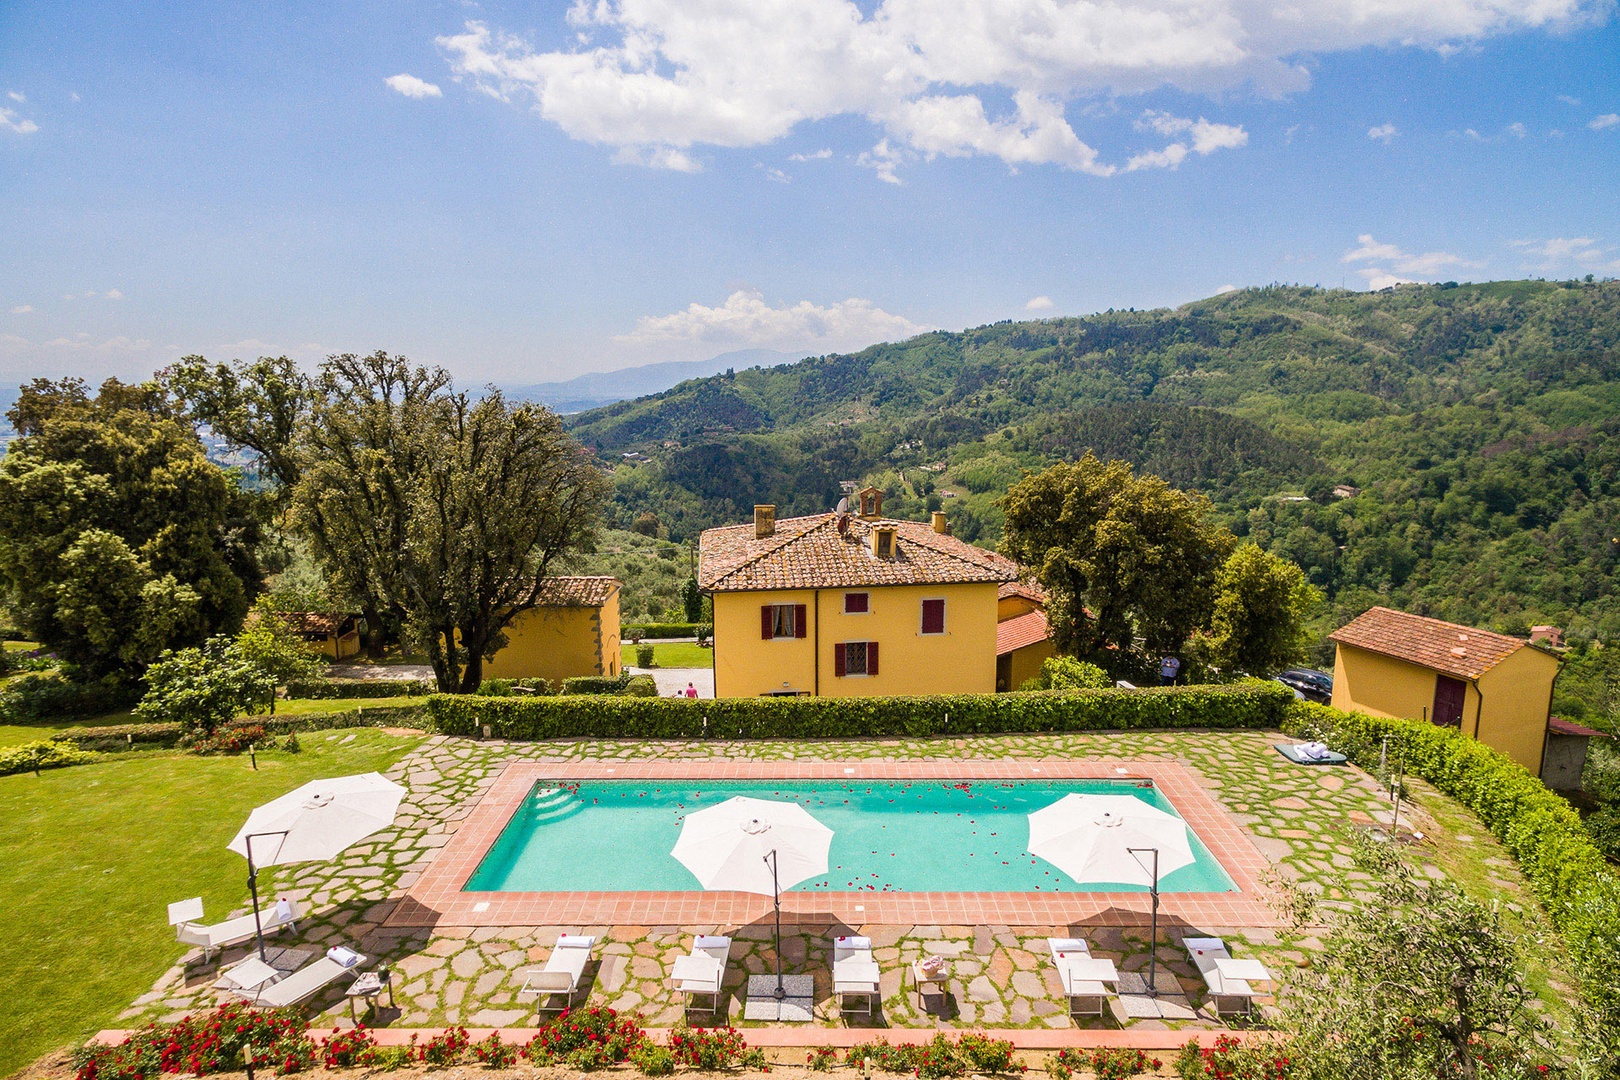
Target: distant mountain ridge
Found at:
599, 388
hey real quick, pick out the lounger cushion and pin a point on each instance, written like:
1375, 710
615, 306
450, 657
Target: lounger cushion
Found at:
306, 982
574, 941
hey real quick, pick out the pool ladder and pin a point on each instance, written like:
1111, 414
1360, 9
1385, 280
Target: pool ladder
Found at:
554, 804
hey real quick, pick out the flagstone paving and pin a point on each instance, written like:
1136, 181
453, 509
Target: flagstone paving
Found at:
1302, 818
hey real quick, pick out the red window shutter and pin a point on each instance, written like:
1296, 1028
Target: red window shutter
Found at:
857, 603
766, 618
871, 658
801, 624
933, 616
839, 667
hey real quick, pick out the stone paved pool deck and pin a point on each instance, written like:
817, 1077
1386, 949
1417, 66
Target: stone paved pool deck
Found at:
1300, 819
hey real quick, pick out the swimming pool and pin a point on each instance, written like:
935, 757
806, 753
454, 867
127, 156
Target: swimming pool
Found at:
888, 836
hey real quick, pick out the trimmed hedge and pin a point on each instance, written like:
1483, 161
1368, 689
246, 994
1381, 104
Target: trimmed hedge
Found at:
360, 688
1249, 705
659, 630
46, 697
31, 757
1578, 888
128, 736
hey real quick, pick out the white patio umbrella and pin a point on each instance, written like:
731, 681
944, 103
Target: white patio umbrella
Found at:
1113, 839
314, 823
754, 845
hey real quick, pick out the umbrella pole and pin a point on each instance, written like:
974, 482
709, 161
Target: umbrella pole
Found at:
253, 887
776, 902
1153, 938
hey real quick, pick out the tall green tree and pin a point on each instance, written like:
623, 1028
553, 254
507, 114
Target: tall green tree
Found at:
446, 512
1262, 604
118, 538
254, 405
1120, 557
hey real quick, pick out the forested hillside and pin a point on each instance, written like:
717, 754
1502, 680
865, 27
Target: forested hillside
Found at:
1479, 423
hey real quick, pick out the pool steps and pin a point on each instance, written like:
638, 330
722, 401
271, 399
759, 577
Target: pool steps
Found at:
554, 804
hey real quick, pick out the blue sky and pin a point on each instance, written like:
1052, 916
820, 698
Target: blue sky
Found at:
551, 190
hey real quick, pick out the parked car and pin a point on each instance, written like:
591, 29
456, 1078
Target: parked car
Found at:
1308, 683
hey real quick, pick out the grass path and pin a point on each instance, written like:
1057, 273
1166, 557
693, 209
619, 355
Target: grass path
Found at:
90, 856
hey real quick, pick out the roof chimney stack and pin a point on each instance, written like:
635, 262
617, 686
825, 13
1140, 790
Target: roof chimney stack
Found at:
941, 526
764, 520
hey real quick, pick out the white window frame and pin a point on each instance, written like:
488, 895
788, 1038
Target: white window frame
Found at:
858, 592
944, 617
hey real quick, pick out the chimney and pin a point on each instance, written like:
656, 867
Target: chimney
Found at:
941, 526
883, 542
764, 520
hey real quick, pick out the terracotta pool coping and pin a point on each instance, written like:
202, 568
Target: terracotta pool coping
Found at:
436, 899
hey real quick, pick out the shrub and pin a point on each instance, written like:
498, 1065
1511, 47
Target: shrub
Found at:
389, 1058
821, 1059
939, 1058
346, 1049
34, 756
1230, 1059
204, 1043
291, 744
984, 1054
703, 632
358, 688
884, 1055
1239, 706
1118, 1063
230, 739
444, 1048
596, 684
652, 1060
644, 656
597, 1030
495, 1054
1067, 673
707, 1048
515, 687
637, 631
41, 697
1578, 889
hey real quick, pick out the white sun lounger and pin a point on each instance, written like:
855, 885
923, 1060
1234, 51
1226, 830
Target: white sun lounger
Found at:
1229, 981
563, 974
1083, 977
302, 984
186, 918
701, 972
855, 973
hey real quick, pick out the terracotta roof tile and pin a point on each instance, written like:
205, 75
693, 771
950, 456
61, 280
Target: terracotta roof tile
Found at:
314, 622
810, 553
577, 591
1559, 726
1029, 590
1029, 628
1450, 648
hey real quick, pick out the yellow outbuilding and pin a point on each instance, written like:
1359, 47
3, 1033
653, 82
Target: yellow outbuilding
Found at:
847, 605
1492, 687
574, 631
333, 634
1023, 636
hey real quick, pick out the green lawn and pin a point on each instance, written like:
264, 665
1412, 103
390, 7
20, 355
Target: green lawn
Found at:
674, 654
18, 734
90, 856
308, 706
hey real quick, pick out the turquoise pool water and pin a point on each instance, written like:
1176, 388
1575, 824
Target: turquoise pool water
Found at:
925, 836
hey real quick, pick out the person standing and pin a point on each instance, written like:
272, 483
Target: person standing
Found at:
1169, 667
691, 690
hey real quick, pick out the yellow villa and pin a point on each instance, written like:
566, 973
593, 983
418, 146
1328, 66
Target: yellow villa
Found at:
846, 605
1023, 637
573, 632
1492, 687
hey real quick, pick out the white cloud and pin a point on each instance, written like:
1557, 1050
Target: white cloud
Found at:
412, 87
1577, 254
1226, 289
820, 155
113, 294
1382, 279
745, 319
884, 159
1567, 100
774, 174
23, 309
16, 95
1516, 130
19, 124
1039, 303
657, 157
1427, 264
1199, 136
1607, 120
1383, 133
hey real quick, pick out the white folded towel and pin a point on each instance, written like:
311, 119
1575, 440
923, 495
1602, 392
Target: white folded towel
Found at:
284, 910
574, 941
1313, 751
343, 956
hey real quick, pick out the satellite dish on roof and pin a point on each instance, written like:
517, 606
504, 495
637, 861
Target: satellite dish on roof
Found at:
843, 505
